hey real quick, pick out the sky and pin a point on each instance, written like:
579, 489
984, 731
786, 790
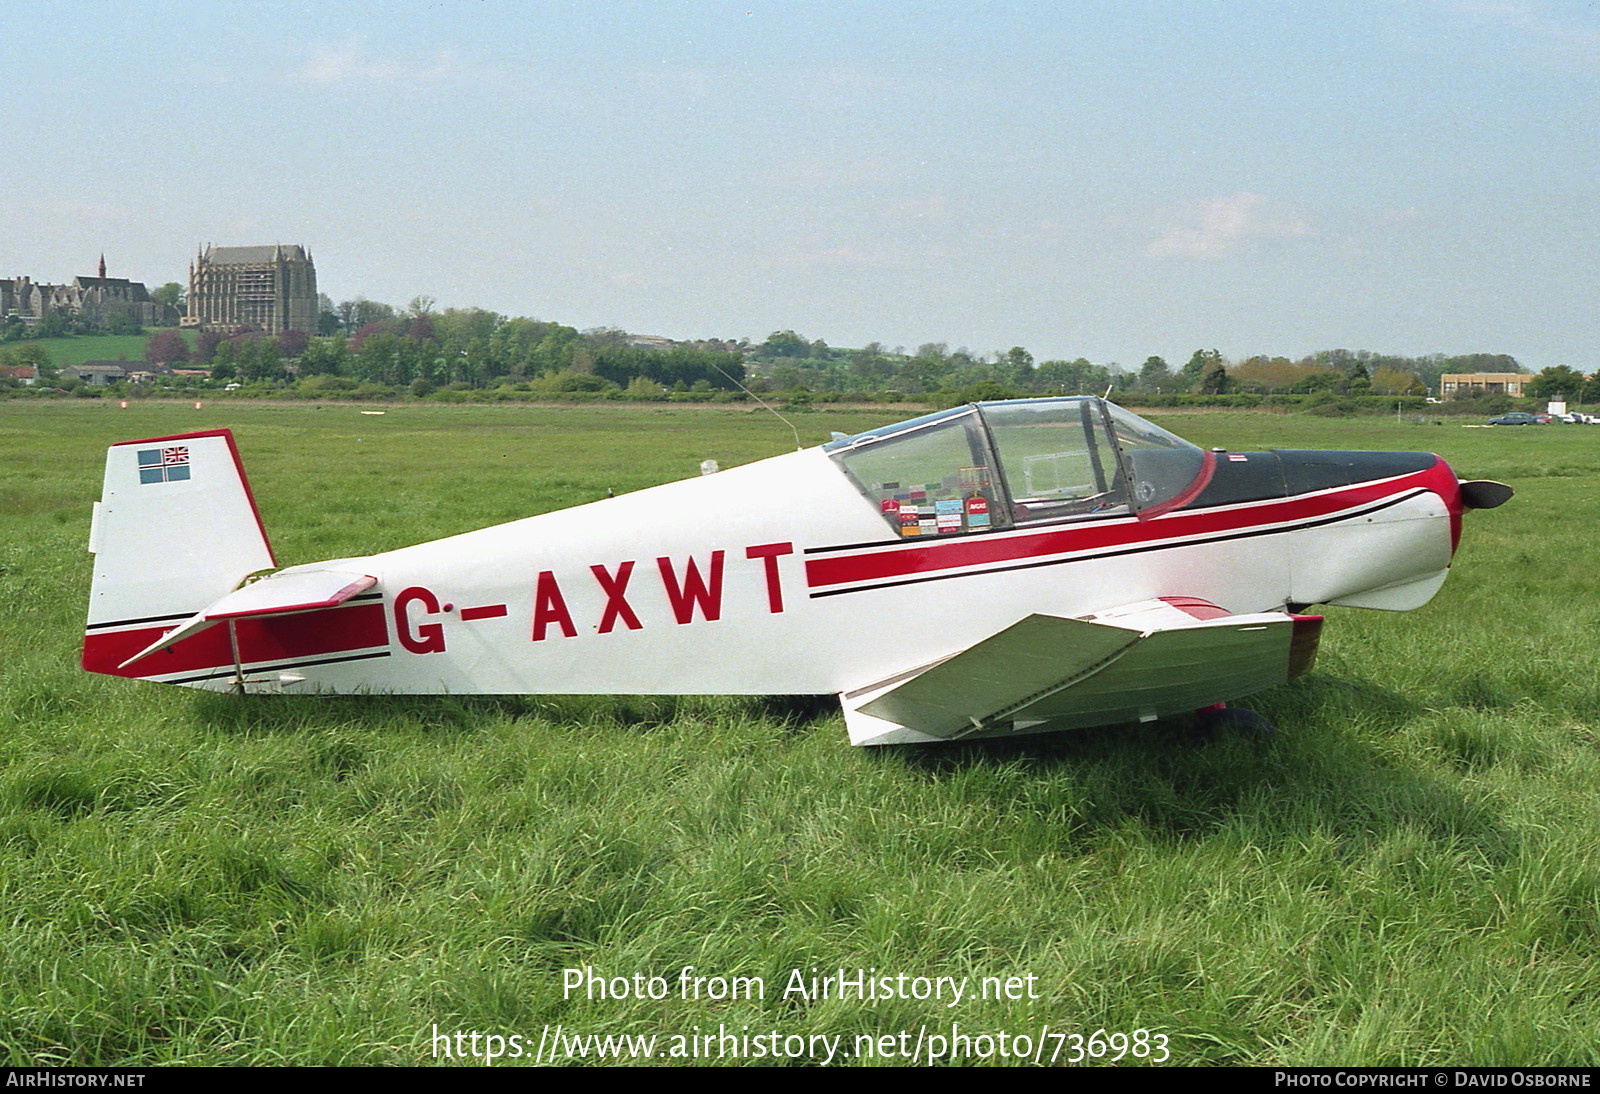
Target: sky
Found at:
1109, 179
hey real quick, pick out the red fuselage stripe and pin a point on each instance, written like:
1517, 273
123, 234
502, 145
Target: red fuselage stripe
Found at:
1091, 536
274, 638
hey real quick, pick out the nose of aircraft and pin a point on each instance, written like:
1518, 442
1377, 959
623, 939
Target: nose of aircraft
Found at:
1287, 473
1305, 471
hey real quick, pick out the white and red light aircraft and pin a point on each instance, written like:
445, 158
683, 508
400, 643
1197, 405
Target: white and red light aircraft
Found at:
998, 568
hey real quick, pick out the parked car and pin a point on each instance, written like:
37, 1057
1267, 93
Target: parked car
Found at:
1518, 417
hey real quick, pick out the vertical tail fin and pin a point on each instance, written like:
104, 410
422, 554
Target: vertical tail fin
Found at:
175, 529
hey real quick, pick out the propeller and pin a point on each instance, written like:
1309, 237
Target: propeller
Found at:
1484, 493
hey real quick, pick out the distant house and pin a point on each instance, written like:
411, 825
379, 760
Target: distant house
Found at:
23, 374
97, 373
102, 373
1510, 383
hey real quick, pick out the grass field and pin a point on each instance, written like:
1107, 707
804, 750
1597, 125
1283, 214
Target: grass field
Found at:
1407, 872
100, 347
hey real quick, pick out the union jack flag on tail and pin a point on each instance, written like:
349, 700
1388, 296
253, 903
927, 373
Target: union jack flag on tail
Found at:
164, 464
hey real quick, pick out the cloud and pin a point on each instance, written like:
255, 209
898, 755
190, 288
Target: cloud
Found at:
847, 87
829, 168
829, 257
76, 211
930, 208
676, 83
1562, 39
348, 63
1220, 226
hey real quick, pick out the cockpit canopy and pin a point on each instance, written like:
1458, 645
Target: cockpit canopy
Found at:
996, 465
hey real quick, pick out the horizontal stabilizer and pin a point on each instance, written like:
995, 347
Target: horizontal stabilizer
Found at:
281, 594
1143, 661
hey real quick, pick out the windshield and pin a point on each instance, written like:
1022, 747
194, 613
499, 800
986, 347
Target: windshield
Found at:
1163, 469
1024, 461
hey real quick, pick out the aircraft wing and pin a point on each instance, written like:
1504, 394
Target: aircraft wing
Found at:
280, 594
1139, 662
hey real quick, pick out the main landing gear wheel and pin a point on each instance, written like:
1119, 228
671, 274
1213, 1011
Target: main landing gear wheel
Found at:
1212, 720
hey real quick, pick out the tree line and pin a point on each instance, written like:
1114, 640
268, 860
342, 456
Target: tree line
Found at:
787, 361
423, 348
466, 348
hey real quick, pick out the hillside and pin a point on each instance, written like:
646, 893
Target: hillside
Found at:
78, 348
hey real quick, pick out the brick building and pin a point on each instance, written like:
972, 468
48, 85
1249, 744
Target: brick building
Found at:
1511, 383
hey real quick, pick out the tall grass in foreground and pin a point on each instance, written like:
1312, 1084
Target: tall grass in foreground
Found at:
1407, 872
